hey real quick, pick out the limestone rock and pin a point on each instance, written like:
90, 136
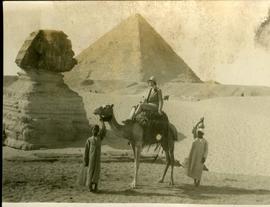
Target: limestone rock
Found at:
47, 50
40, 110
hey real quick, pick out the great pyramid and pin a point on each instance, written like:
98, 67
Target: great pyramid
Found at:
132, 51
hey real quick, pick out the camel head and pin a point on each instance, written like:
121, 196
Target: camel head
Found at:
105, 112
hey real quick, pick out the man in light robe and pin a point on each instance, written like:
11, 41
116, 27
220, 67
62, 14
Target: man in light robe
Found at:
92, 156
197, 157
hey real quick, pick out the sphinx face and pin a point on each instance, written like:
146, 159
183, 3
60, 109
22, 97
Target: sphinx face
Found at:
55, 52
48, 50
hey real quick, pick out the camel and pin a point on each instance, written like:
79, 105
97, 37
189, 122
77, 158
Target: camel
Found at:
134, 133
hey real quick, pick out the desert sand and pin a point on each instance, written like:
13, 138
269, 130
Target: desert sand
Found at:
237, 130
50, 176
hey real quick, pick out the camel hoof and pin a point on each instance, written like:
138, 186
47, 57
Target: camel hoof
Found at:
133, 185
160, 181
171, 184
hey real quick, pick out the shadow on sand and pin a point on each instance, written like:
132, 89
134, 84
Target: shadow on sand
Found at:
186, 190
131, 192
165, 192
180, 136
196, 193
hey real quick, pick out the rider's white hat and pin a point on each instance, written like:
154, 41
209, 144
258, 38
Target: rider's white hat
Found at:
152, 78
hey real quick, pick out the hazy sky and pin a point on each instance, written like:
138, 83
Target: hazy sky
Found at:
215, 38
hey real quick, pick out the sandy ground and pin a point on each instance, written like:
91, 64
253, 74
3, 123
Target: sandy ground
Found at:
50, 176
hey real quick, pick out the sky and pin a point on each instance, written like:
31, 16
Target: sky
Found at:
215, 38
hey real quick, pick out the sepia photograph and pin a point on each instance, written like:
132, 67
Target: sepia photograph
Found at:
150, 102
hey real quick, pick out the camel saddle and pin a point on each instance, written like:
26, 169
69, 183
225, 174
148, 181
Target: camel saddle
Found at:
153, 124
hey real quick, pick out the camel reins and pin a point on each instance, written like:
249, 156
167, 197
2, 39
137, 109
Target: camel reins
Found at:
107, 118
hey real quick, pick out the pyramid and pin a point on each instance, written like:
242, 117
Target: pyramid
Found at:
132, 51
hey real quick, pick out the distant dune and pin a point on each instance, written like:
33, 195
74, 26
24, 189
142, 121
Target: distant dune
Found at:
174, 89
177, 90
197, 91
237, 130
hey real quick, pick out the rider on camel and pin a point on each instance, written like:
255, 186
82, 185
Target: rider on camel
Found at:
153, 102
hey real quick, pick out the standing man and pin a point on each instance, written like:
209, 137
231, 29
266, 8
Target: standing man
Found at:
197, 157
92, 156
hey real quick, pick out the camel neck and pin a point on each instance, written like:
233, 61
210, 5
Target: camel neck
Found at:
115, 125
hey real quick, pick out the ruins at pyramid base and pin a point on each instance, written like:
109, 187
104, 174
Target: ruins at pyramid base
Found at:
40, 110
132, 51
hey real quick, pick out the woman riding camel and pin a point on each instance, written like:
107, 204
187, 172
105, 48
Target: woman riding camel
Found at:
153, 102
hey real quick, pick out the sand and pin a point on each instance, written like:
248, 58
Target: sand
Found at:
30, 179
237, 128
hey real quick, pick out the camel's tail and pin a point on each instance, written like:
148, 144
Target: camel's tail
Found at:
173, 132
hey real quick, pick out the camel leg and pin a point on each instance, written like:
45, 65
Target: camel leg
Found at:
171, 151
166, 167
133, 149
136, 165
